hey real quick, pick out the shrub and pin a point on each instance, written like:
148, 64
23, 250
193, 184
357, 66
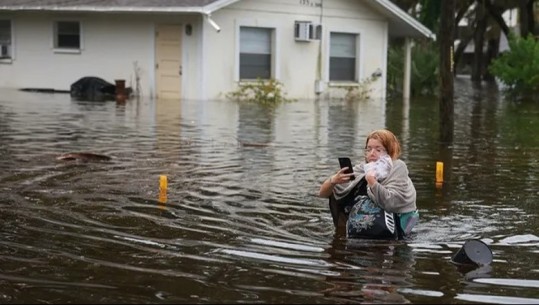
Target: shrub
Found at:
363, 91
518, 68
267, 92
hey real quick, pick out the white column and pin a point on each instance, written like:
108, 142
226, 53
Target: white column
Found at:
408, 44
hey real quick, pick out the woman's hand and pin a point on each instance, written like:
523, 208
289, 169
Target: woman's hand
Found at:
370, 176
340, 177
326, 189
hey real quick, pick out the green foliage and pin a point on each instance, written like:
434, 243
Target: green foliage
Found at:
424, 69
395, 70
266, 92
430, 14
518, 68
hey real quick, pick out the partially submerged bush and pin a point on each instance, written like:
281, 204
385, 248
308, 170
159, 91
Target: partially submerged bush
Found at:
363, 91
267, 92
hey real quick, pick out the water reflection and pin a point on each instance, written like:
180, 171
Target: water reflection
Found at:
369, 271
241, 221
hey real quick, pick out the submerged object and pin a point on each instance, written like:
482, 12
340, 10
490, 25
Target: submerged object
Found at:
474, 252
91, 88
83, 156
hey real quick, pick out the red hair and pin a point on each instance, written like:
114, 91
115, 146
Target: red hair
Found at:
388, 140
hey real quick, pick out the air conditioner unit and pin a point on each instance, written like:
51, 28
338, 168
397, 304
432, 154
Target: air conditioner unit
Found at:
315, 31
302, 30
4, 51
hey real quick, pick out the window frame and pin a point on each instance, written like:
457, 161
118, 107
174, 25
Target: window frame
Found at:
11, 43
358, 56
55, 39
242, 56
275, 41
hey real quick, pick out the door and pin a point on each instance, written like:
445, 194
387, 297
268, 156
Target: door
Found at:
168, 67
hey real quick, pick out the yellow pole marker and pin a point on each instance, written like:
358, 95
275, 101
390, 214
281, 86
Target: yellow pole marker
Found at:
439, 172
163, 184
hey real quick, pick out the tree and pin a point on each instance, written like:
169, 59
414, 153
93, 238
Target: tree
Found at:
447, 32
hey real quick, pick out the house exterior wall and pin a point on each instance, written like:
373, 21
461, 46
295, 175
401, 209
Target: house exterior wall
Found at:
111, 44
298, 64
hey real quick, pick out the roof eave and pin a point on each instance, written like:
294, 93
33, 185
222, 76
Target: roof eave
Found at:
207, 10
111, 9
403, 16
217, 5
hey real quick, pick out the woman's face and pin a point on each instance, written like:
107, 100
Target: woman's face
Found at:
374, 150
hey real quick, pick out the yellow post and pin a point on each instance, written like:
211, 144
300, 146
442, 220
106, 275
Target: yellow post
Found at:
439, 172
163, 188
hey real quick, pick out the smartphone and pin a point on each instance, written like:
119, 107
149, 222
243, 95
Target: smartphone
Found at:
346, 162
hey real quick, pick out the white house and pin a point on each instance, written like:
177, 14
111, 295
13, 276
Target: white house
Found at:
201, 49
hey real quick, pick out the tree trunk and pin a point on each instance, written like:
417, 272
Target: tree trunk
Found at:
479, 41
492, 53
447, 34
496, 14
531, 17
460, 50
527, 18
523, 17
463, 7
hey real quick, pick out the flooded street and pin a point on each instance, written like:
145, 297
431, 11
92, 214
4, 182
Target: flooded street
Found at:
241, 221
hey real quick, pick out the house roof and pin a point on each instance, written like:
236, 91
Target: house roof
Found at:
400, 23
164, 6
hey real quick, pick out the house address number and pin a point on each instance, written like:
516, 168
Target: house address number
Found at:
310, 3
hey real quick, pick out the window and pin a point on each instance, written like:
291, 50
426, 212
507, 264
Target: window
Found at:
5, 39
342, 57
255, 53
67, 35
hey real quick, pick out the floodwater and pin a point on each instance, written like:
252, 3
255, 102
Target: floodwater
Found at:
240, 220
